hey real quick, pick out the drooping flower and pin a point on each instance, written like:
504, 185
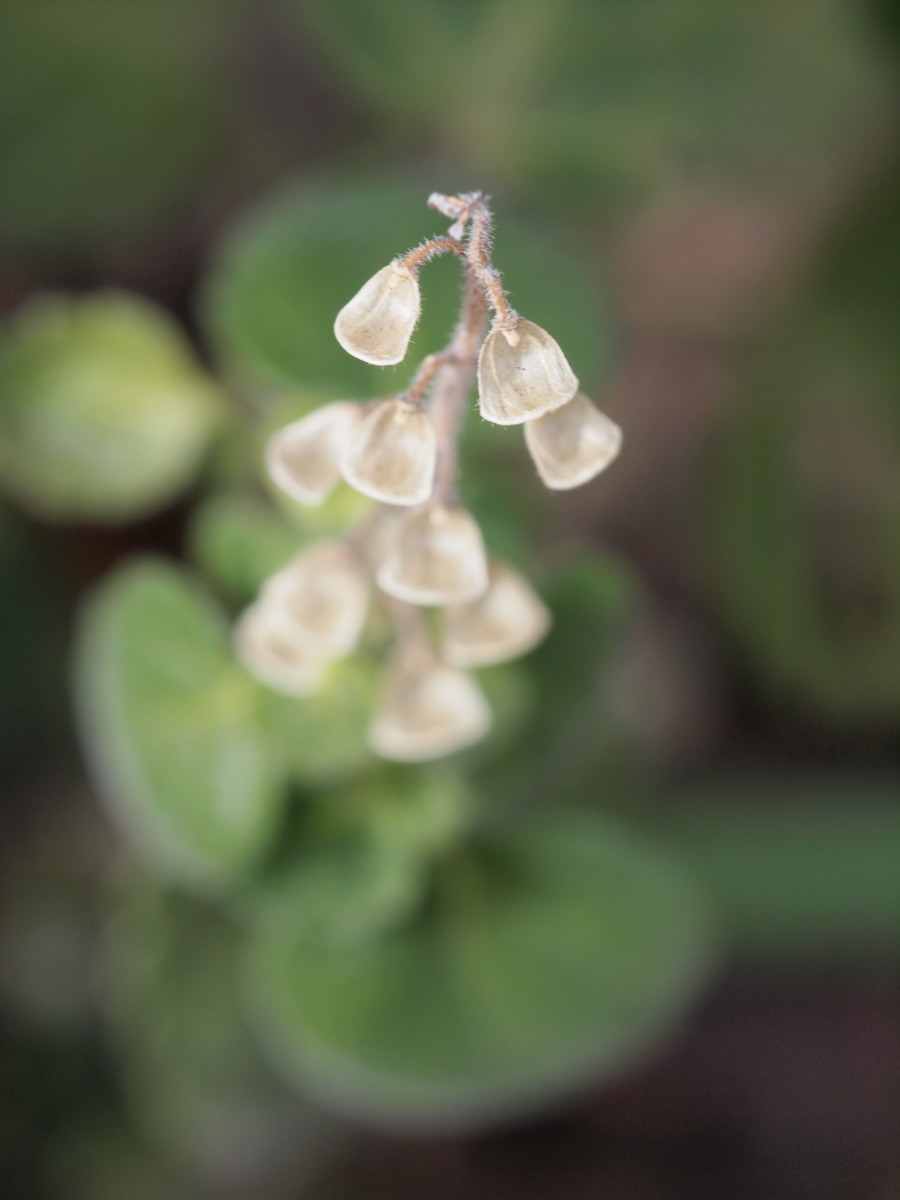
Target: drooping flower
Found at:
274, 660
522, 374
303, 458
506, 622
392, 454
378, 322
320, 600
438, 558
572, 444
427, 709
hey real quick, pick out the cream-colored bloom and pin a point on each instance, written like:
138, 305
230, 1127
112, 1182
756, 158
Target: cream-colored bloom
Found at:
437, 558
522, 374
427, 709
392, 455
320, 600
572, 444
506, 622
378, 322
271, 659
303, 458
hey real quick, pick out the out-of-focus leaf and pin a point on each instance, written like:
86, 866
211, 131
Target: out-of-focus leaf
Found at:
573, 728
168, 723
357, 861
286, 271
548, 958
239, 542
322, 738
601, 99
104, 413
800, 869
801, 509
109, 114
193, 1076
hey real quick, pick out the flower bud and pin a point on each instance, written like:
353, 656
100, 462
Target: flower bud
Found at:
320, 600
392, 455
271, 659
506, 622
427, 709
573, 444
303, 458
522, 374
378, 322
438, 558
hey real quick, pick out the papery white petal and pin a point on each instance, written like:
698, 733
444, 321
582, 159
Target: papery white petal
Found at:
438, 558
522, 373
320, 600
506, 622
303, 458
378, 322
427, 710
572, 444
393, 453
272, 660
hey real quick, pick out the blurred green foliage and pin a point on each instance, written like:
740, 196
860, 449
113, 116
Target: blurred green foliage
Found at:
104, 413
443, 946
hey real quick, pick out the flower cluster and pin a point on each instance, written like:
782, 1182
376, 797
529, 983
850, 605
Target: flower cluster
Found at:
421, 548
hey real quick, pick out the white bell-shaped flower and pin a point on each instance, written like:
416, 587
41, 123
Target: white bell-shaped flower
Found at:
273, 660
438, 558
427, 709
572, 444
392, 454
378, 322
506, 622
320, 600
522, 374
303, 458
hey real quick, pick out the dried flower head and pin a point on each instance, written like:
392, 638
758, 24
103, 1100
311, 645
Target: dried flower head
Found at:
522, 374
403, 451
438, 558
320, 600
504, 623
378, 322
427, 709
269, 657
572, 444
392, 454
304, 458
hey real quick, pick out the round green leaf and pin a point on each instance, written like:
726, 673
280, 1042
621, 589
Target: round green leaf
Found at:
287, 269
193, 1078
168, 723
109, 114
549, 958
104, 413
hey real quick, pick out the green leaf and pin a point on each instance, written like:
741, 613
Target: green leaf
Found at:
288, 268
239, 542
356, 862
104, 413
800, 513
574, 729
592, 100
322, 738
193, 1078
110, 115
549, 958
802, 870
168, 724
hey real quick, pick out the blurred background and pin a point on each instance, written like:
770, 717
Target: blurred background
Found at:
700, 199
